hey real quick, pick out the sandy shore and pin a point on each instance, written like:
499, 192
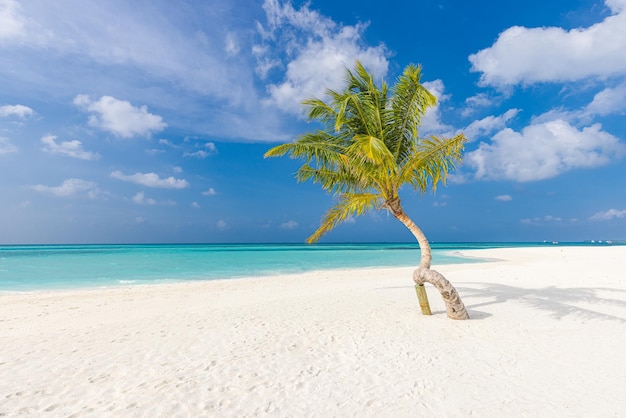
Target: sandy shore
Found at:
547, 338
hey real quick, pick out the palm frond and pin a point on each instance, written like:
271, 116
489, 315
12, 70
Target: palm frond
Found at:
409, 103
319, 146
335, 181
347, 206
371, 149
431, 162
319, 110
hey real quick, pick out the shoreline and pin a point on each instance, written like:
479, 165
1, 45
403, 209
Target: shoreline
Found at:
199, 282
167, 281
60, 268
546, 338
83, 267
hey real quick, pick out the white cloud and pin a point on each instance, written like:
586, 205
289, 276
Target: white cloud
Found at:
195, 205
210, 192
318, 50
151, 180
569, 116
69, 187
488, 125
291, 224
11, 21
6, 147
176, 169
72, 149
608, 101
608, 215
141, 199
504, 198
479, 100
264, 64
120, 117
611, 100
528, 55
543, 151
221, 225
20, 111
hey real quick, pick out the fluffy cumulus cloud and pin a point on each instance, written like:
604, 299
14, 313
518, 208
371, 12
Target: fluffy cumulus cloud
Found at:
609, 101
19, 111
608, 215
69, 187
488, 125
550, 54
542, 151
72, 149
6, 147
151, 180
120, 117
316, 52
210, 192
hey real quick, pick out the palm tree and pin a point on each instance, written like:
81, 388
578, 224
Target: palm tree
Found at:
368, 149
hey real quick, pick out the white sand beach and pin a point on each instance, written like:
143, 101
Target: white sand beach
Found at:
547, 338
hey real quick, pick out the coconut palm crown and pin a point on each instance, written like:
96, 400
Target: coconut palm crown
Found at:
368, 148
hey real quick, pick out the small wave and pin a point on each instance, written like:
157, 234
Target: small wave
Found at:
126, 281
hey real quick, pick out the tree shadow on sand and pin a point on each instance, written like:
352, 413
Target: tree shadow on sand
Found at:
558, 302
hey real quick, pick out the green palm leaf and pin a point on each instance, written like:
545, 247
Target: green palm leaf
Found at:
369, 145
348, 205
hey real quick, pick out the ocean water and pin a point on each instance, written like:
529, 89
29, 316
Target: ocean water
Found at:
38, 267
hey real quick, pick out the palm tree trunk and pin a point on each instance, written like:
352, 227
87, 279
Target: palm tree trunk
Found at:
454, 306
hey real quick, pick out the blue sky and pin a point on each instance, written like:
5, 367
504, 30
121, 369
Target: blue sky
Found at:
147, 121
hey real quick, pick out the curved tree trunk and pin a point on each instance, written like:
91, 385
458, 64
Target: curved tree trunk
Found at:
454, 306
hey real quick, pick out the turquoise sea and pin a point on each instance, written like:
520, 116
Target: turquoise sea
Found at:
38, 267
